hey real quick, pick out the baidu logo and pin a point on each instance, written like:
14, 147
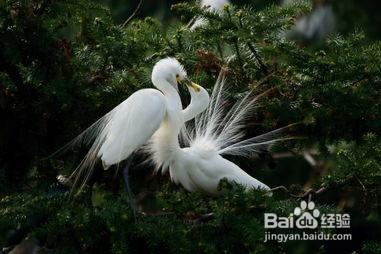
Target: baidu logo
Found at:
307, 216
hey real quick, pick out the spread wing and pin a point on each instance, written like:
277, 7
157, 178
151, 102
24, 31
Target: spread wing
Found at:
120, 132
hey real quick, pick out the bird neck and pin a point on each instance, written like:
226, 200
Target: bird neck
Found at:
199, 102
165, 142
174, 120
171, 126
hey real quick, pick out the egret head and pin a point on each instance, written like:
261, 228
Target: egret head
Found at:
170, 71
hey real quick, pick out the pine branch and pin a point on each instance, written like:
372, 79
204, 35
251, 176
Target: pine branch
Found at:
258, 58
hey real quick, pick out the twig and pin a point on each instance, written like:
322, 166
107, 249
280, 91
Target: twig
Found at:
305, 194
203, 218
133, 14
258, 58
322, 189
362, 185
255, 52
153, 214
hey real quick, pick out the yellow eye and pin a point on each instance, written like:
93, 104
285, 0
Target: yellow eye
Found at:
177, 77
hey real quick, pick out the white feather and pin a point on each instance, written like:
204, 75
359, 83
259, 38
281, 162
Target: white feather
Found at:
211, 5
125, 129
120, 132
159, 117
223, 130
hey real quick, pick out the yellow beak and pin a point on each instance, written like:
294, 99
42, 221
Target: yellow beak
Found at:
194, 86
190, 84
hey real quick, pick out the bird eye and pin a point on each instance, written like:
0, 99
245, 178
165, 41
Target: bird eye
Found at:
178, 78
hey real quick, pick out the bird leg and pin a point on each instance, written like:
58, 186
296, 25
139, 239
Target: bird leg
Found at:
131, 197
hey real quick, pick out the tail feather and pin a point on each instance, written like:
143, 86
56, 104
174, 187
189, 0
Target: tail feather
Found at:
95, 135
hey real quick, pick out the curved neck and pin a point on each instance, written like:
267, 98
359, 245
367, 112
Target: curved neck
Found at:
169, 130
199, 102
165, 143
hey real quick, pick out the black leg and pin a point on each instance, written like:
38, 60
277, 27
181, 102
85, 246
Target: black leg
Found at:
127, 182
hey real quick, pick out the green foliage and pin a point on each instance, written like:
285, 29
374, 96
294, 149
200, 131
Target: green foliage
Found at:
236, 218
361, 161
65, 63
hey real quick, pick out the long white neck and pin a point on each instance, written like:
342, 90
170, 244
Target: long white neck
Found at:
199, 102
165, 142
171, 126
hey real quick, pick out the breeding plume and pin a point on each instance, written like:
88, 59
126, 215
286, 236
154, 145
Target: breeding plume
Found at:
155, 117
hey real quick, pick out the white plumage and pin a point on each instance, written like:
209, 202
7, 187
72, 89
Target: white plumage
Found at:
224, 130
214, 5
158, 117
123, 130
211, 5
134, 122
215, 132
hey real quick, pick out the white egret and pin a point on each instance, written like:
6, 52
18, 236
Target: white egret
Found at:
156, 117
128, 126
212, 5
199, 166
